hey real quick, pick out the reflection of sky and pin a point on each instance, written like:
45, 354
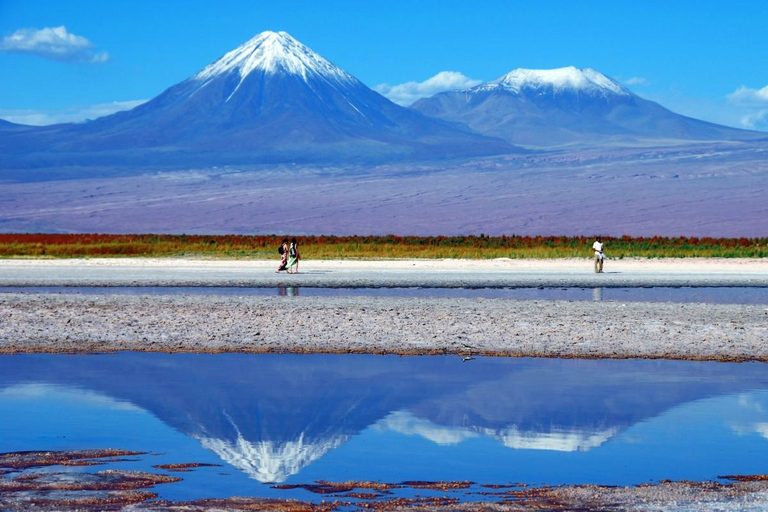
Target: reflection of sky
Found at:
697, 440
298, 419
44, 417
683, 294
562, 440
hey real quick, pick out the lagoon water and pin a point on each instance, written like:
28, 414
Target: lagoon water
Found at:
681, 294
295, 419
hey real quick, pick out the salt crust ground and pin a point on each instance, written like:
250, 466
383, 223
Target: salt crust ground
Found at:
211, 323
356, 273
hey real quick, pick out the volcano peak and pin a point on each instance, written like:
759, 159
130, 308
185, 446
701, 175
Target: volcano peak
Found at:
559, 79
274, 52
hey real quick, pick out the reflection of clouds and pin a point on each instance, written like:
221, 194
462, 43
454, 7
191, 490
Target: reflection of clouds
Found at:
408, 424
760, 429
562, 441
752, 403
39, 391
752, 413
511, 437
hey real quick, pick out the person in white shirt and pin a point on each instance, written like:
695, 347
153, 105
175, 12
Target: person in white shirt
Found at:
599, 256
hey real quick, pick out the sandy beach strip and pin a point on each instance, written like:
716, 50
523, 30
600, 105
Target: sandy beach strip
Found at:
446, 273
93, 322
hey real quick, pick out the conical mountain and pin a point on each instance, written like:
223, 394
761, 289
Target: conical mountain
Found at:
568, 105
270, 99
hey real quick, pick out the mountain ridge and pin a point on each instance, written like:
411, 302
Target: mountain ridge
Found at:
566, 78
271, 99
544, 108
273, 52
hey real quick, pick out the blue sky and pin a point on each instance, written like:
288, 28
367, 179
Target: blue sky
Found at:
706, 59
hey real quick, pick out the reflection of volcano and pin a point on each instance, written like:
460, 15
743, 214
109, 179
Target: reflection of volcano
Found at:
267, 461
272, 415
269, 416
511, 437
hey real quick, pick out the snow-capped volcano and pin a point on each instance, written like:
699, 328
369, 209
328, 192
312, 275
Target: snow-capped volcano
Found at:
569, 79
271, 99
274, 52
550, 107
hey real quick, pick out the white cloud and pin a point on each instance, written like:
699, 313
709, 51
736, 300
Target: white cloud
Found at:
722, 110
53, 43
405, 94
757, 119
753, 106
747, 96
69, 115
637, 80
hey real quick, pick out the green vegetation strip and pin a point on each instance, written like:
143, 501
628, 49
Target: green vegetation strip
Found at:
371, 247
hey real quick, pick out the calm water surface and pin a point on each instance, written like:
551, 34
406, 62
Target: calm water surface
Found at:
297, 419
712, 295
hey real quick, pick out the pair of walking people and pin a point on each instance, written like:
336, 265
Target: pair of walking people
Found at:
289, 256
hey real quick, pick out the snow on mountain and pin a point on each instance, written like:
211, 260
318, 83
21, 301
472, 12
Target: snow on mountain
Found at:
274, 52
565, 106
271, 99
560, 79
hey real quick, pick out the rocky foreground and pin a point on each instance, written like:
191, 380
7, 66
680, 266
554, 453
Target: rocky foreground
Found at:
45, 486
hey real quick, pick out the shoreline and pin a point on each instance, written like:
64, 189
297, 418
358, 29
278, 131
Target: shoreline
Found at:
94, 322
46, 484
496, 273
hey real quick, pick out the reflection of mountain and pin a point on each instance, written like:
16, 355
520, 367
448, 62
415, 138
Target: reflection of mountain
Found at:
271, 415
269, 461
268, 416
511, 437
